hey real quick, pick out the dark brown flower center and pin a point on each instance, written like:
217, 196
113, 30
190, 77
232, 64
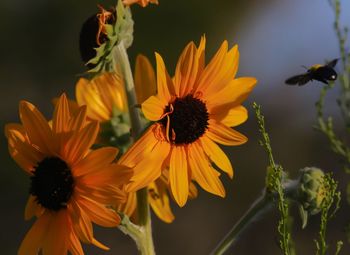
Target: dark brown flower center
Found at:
188, 119
93, 33
52, 183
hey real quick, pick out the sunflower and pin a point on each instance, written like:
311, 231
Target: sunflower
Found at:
143, 3
70, 186
192, 112
102, 95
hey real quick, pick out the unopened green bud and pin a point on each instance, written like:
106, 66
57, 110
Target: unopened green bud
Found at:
311, 192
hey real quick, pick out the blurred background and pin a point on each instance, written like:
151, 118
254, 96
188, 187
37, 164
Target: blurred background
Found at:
40, 59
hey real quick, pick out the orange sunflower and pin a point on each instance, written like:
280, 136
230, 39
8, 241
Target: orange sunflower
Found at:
143, 3
70, 185
192, 112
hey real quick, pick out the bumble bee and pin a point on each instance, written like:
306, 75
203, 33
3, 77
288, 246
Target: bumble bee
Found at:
322, 73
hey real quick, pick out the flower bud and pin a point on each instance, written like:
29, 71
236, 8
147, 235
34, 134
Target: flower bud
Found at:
311, 192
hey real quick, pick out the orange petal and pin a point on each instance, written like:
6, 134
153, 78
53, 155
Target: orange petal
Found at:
193, 192
37, 127
153, 108
22, 152
186, 70
233, 94
56, 237
234, 117
80, 143
105, 194
78, 121
178, 175
159, 201
113, 174
203, 173
129, 206
98, 213
74, 244
32, 208
165, 86
33, 240
216, 155
95, 161
61, 115
145, 79
224, 135
81, 223
200, 55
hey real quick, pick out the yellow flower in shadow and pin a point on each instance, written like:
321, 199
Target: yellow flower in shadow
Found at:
192, 112
101, 95
71, 186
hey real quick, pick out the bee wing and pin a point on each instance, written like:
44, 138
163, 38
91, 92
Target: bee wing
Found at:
333, 62
299, 79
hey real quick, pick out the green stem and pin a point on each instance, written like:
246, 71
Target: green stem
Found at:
122, 64
260, 206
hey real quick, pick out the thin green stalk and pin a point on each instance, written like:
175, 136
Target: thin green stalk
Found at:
122, 64
259, 207
275, 184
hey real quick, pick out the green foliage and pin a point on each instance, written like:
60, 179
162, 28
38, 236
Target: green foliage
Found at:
275, 178
121, 31
331, 199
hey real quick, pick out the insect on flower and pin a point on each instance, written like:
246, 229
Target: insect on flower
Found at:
322, 73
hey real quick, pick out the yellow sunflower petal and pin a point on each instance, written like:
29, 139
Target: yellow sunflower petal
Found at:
213, 68
203, 173
159, 201
201, 56
145, 79
110, 88
105, 194
140, 148
98, 213
37, 127
224, 135
34, 238
186, 70
216, 155
61, 115
231, 95
153, 108
178, 175
80, 143
95, 160
74, 244
165, 85
86, 94
146, 171
234, 117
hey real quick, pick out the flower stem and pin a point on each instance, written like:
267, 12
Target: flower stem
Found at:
122, 64
260, 206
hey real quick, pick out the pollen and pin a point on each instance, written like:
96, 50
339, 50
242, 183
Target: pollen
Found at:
52, 183
186, 120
